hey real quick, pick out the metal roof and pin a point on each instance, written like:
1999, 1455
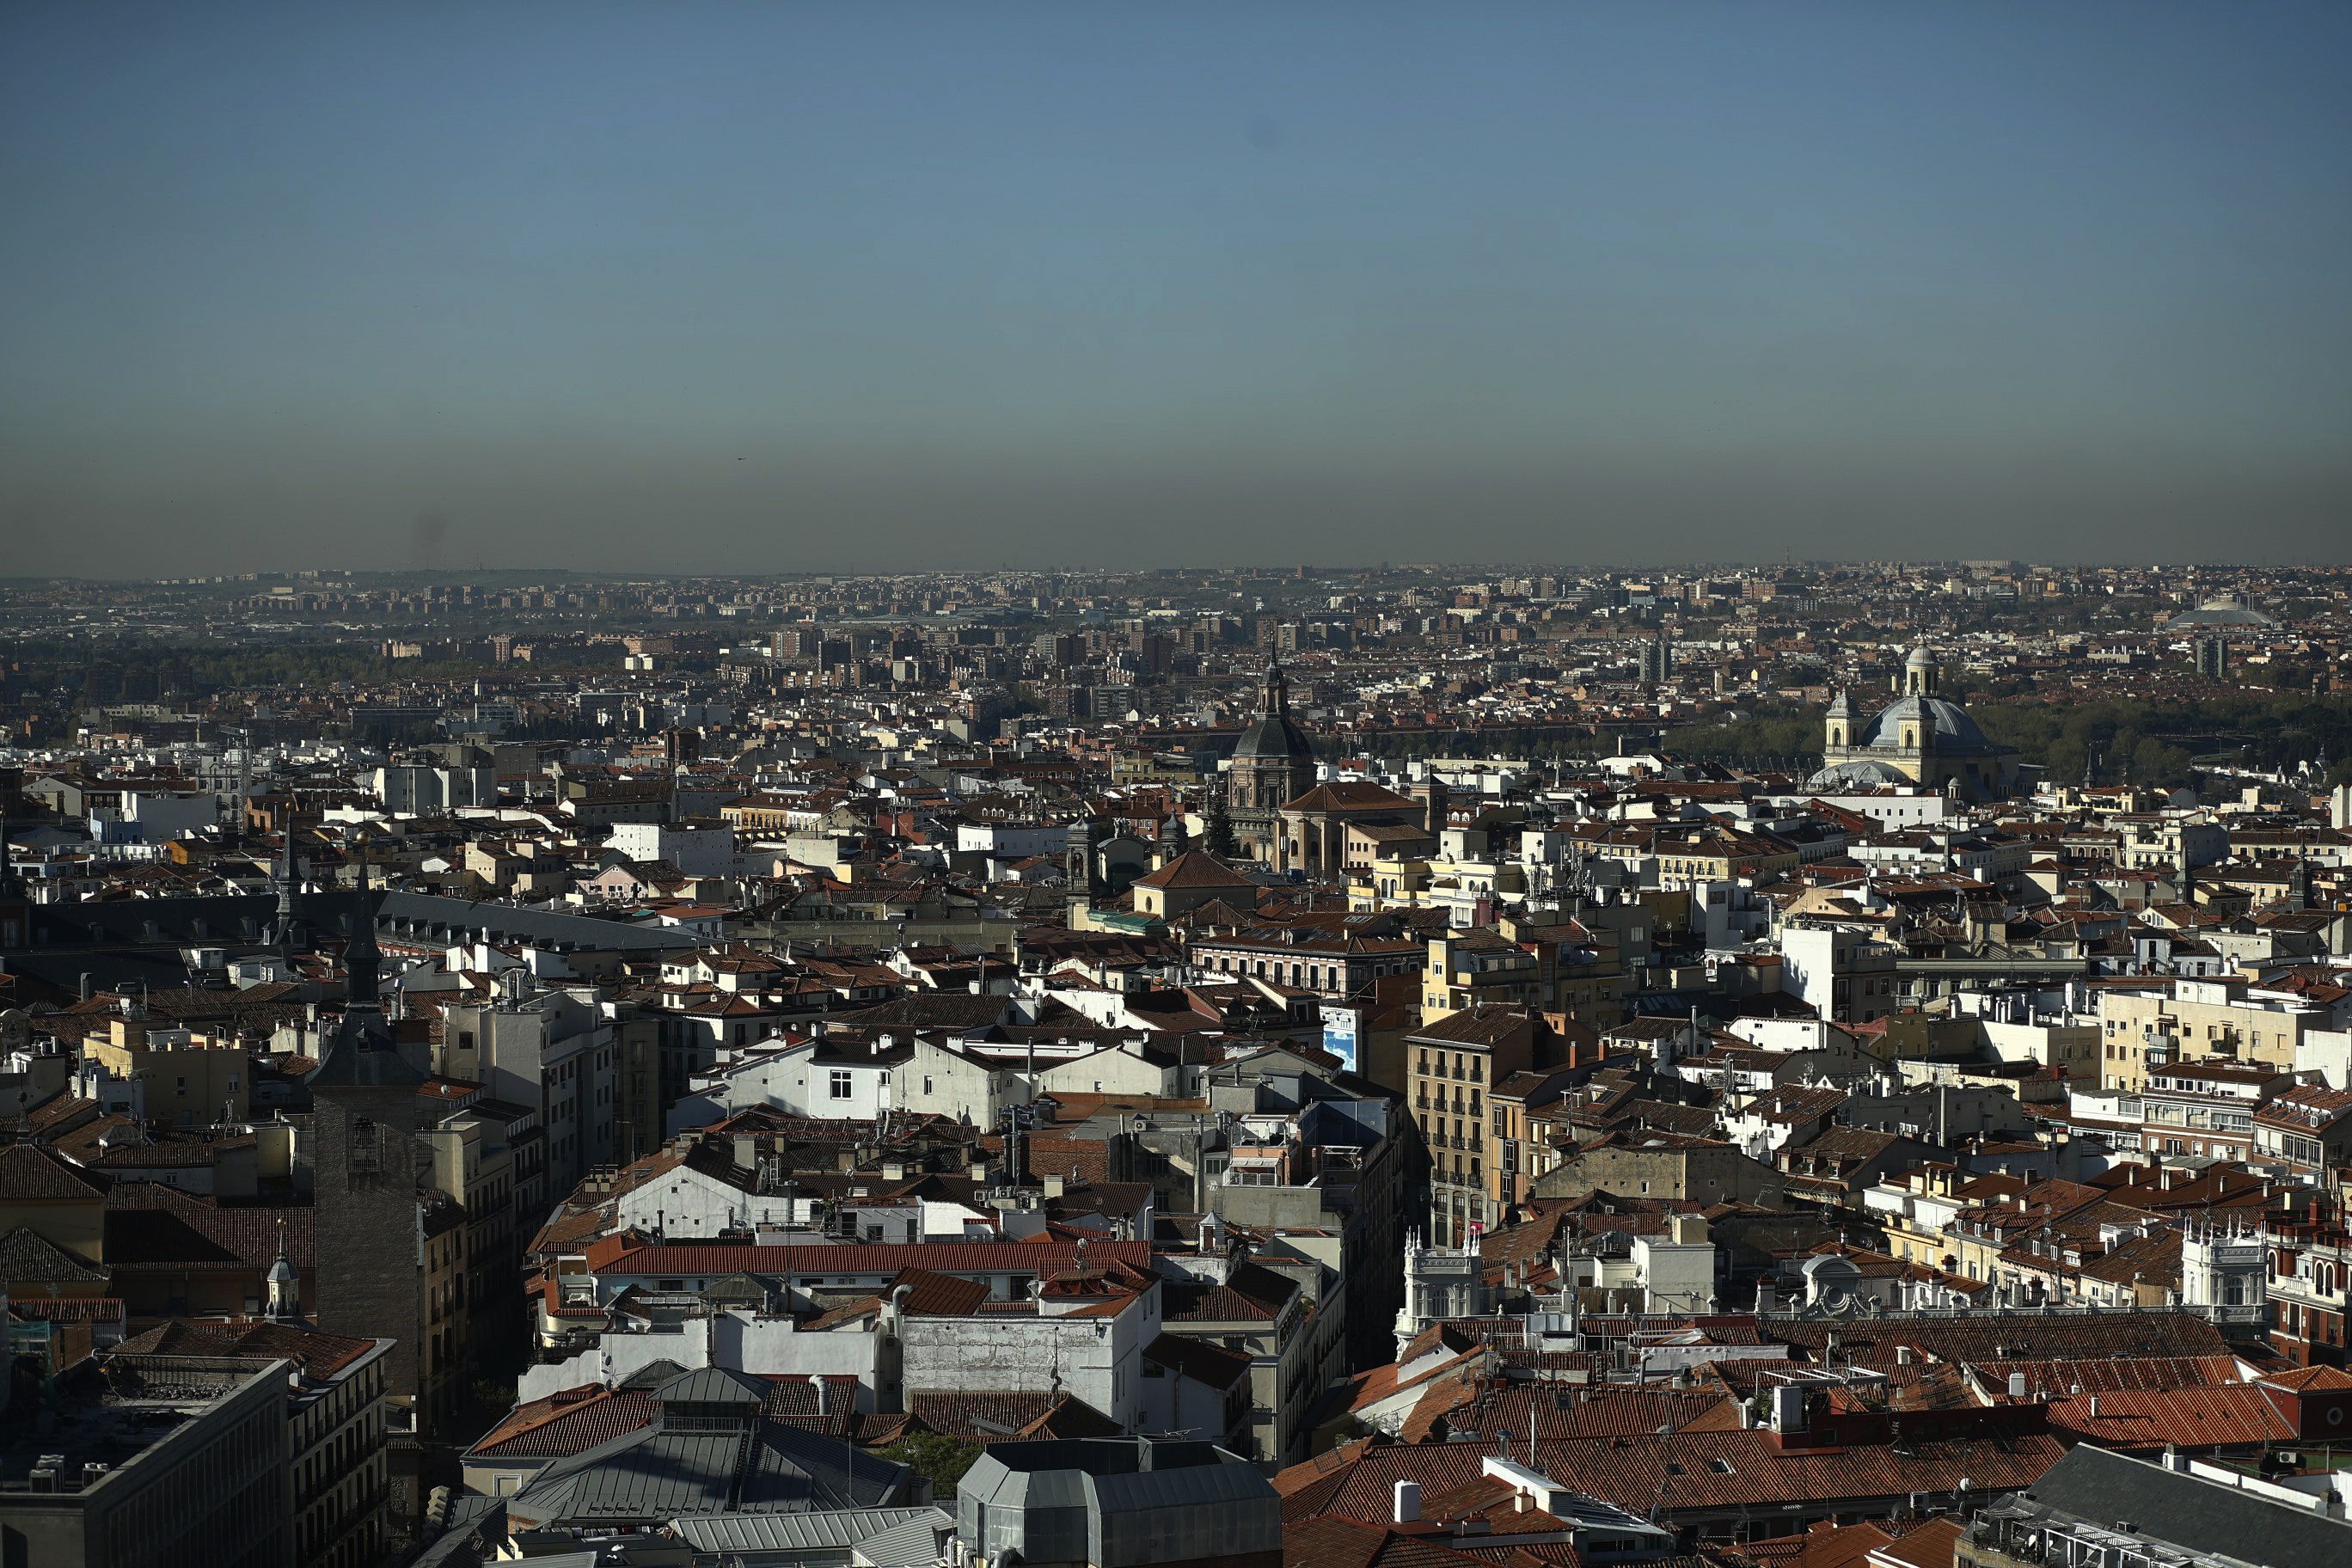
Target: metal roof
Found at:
2100, 1486
835, 1529
914, 1544
538, 927
655, 1474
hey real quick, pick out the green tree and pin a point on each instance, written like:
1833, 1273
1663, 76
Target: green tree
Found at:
1219, 837
941, 1460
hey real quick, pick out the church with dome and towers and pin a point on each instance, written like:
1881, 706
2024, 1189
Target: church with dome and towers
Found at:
1918, 741
1273, 764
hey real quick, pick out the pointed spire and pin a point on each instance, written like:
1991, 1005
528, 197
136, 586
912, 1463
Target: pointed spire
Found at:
283, 932
362, 963
1274, 692
284, 1284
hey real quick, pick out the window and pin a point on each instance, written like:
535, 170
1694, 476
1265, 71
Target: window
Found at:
841, 1084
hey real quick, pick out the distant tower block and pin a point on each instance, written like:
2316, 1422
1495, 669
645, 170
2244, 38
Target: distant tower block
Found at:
1657, 660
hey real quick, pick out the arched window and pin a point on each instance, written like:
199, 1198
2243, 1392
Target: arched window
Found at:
364, 1149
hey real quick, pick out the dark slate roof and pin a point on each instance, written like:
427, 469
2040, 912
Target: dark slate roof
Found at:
1943, 725
539, 927
2101, 1487
931, 1010
714, 1385
1200, 1360
363, 1056
1275, 736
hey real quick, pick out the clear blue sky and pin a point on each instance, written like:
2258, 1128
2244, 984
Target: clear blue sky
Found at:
698, 285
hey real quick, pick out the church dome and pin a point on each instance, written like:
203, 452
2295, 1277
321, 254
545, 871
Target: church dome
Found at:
1941, 726
1275, 736
1858, 775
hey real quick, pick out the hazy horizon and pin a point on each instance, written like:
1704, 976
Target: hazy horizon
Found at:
765, 288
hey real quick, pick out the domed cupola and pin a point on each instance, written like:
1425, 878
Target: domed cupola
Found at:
1919, 674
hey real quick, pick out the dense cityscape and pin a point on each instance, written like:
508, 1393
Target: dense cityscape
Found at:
1759, 1066
1319, 785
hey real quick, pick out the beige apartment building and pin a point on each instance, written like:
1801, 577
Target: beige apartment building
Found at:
2174, 1020
185, 1078
1453, 1065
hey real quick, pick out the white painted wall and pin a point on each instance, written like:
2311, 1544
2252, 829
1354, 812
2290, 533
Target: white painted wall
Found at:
1099, 1359
687, 1204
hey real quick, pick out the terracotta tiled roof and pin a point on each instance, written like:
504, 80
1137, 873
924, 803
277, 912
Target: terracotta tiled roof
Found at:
714, 1259
1351, 794
2024, 1336
570, 1233
1928, 1546
68, 1309
1334, 1543
2308, 1379
1247, 1297
1823, 1546
1563, 1410
931, 1295
1194, 869
2238, 1416
571, 1422
793, 1399
1681, 1472
993, 1417
320, 1355
28, 1257
151, 1225
2113, 1373
30, 1173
